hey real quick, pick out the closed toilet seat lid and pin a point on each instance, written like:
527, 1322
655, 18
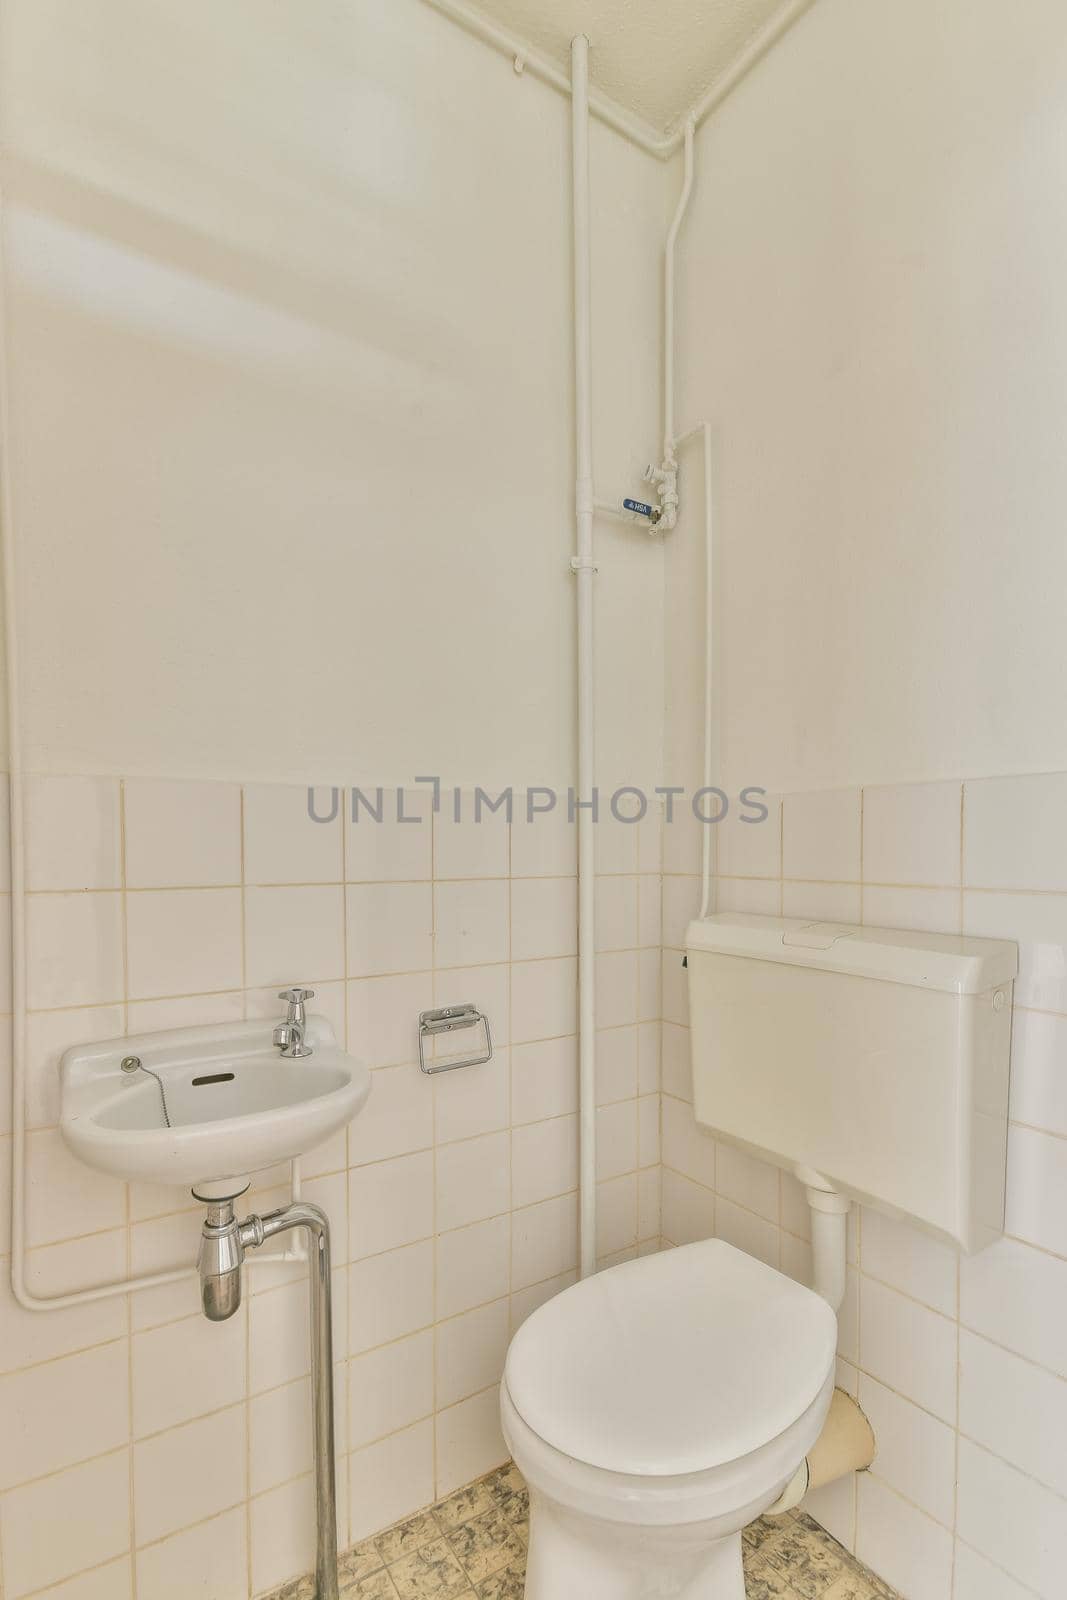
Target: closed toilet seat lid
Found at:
674, 1363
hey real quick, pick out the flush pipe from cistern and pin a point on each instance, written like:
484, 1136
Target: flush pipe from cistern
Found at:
846, 1443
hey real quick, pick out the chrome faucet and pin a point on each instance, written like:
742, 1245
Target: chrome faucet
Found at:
289, 1035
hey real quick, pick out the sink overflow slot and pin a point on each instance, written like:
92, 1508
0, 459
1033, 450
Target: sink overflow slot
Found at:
214, 1077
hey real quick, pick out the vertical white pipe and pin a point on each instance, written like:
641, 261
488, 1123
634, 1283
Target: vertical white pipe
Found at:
668, 297
583, 405
709, 660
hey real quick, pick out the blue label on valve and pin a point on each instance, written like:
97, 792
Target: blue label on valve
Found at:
638, 506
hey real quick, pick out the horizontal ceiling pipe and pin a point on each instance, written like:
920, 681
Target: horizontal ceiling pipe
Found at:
608, 111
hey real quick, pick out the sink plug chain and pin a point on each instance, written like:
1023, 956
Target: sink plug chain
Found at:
135, 1064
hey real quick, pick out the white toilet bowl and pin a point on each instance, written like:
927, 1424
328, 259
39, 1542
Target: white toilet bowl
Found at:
654, 1410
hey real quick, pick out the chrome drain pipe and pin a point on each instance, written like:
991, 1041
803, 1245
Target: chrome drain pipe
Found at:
222, 1248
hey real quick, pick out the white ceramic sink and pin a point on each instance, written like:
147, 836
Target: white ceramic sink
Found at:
235, 1103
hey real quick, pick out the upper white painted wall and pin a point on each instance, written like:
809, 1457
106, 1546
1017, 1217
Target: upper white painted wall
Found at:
874, 279
290, 336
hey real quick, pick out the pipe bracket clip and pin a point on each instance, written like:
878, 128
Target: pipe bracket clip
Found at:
583, 564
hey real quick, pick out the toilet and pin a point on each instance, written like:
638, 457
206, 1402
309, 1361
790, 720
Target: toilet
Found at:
654, 1410
658, 1407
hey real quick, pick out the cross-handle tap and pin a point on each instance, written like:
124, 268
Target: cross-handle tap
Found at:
289, 1035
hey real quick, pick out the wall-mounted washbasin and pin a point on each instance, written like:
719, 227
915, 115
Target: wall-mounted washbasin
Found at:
204, 1107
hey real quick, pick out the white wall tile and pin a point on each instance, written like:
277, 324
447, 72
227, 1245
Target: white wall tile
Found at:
185, 1369
470, 923
649, 1205
908, 1348
916, 1454
526, 1301
615, 840
616, 1215
473, 1266
1038, 924
746, 1231
73, 950
648, 1127
923, 910
822, 902
390, 1204
544, 1240
1014, 1409
189, 1473
472, 1100
208, 1562
48, 1034
390, 1479
65, 1198
544, 1160
28, 1336
750, 845
821, 835
911, 834
390, 1295
616, 988
390, 1388
1013, 1520
544, 999
390, 928
183, 941
759, 896
687, 1147
72, 834
542, 845
282, 1526
544, 1079
681, 903
649, 911
472, 1180
1013, 833
616, 913
182, 835
280, 1435
469, 1441
616, 1139
293, 935
834, 1507
617, 1063
1017, 1297
978, 1579
470, 1351
113, 1581
688, 1209
901, 1544
544, 918
1039, 1070
747, 1181
284, 842
383, 1016
90, 1503
1037, 1189
397, 848
63, 1412
396, 1120
470, 848
908, 1259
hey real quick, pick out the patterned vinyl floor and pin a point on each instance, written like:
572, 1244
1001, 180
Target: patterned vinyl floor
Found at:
472, 1546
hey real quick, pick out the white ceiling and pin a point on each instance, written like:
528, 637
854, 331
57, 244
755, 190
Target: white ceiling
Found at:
655, 57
